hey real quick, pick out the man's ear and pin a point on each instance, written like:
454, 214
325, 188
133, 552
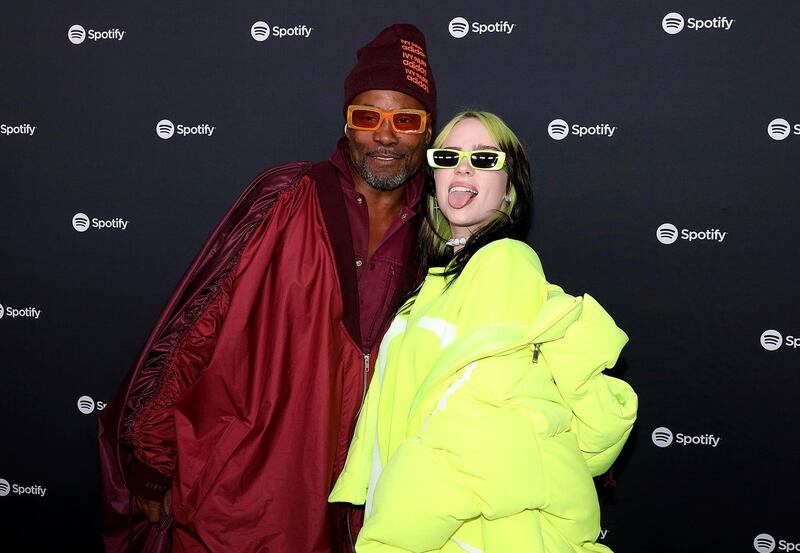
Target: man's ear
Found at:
428, 136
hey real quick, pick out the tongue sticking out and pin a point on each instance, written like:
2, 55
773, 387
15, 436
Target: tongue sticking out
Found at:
458, 199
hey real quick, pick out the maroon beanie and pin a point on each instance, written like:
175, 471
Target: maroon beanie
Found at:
396, 59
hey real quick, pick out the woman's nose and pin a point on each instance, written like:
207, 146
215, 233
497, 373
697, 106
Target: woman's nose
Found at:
464, 168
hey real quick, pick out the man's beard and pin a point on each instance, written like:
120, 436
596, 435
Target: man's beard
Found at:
383, 183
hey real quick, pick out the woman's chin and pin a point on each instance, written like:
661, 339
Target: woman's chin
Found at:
470, 224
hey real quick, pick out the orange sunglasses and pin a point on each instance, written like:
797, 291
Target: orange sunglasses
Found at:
370, 118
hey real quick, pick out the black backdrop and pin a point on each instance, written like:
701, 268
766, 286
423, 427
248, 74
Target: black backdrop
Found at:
706, 138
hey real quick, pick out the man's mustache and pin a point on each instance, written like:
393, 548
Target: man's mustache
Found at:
386, 153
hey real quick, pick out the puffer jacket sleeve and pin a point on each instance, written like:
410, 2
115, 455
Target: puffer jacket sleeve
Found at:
604, 407
476, 455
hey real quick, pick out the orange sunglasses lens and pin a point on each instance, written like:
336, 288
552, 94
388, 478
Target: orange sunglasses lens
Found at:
371, 119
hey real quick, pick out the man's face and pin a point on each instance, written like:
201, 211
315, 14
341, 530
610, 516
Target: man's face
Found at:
386, 159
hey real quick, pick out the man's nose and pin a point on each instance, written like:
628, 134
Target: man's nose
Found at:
385, 134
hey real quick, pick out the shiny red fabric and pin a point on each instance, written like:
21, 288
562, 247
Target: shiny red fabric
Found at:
254, 344
254, 492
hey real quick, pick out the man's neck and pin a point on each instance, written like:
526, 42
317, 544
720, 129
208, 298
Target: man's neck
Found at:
381, 203
383, 207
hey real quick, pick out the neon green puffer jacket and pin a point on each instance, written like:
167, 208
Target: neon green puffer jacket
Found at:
488, 416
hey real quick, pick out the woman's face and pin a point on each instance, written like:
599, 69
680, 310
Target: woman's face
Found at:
469, 197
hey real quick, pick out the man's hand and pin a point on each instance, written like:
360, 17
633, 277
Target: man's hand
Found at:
154, 510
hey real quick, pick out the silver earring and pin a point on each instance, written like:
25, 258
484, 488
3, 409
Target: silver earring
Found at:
507, 198
345, 129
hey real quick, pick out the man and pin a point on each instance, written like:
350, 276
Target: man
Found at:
237, 417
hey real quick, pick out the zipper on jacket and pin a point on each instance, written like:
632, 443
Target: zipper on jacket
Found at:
537, 345
366, 377
536, 349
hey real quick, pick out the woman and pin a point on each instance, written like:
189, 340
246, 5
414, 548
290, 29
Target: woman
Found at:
488, 413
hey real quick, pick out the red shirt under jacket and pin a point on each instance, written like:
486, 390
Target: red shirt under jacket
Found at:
379, 276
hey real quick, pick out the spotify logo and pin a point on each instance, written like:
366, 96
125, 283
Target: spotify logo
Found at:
672, 23
85, 405
76, 34
80, 222
667, 233
165, 129
458, 27
34, 489
558, 129
662, 436
19, 312
778, 129
259, 31
771, 340
21, 129
764, 543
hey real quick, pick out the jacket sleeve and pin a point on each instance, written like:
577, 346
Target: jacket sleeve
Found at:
153, 428
184, 339
476, 455
604, 408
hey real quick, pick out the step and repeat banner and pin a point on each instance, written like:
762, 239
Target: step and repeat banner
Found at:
665, 144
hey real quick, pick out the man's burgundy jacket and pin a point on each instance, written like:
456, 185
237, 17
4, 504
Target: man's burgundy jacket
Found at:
247, 390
